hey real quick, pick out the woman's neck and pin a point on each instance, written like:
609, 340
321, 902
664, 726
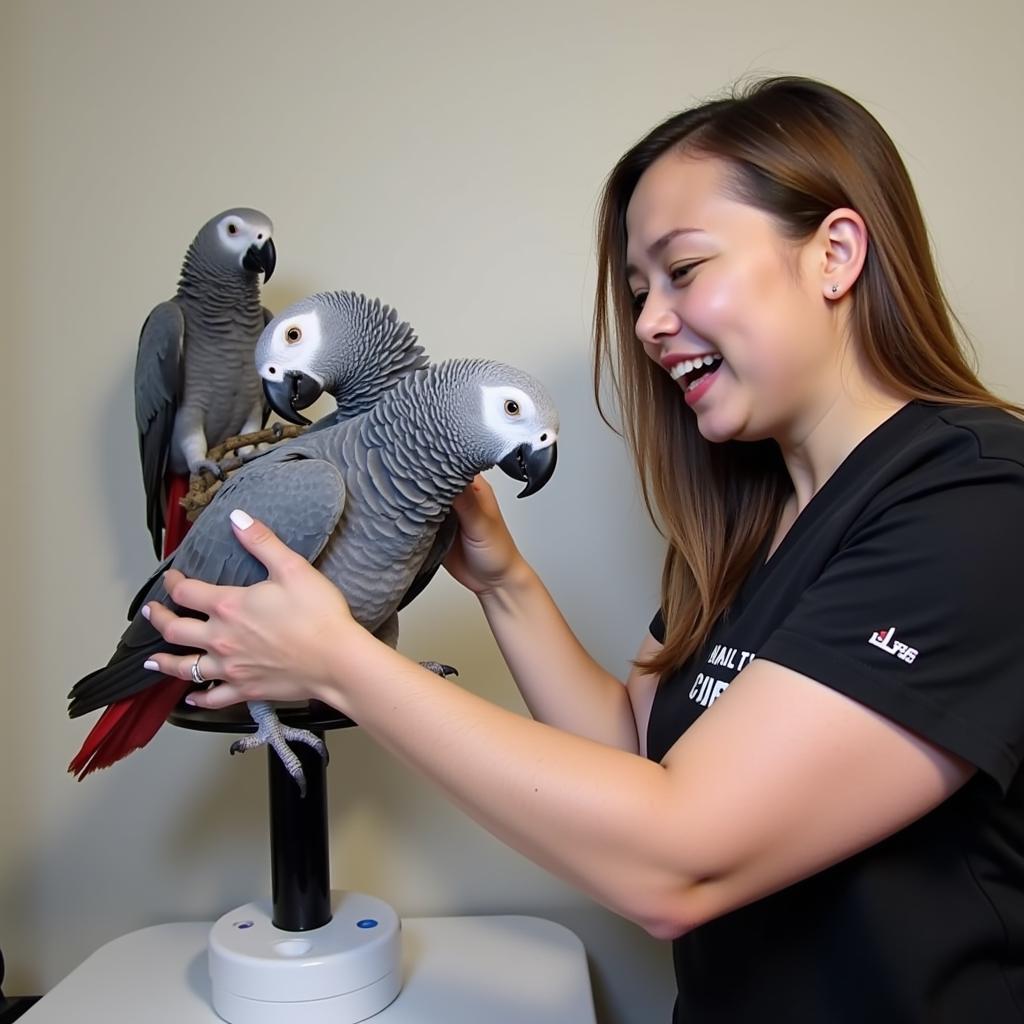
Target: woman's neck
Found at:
816, 445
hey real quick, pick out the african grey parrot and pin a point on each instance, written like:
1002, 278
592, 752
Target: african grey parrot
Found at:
355, 349
362, 500
343, 343
195, 381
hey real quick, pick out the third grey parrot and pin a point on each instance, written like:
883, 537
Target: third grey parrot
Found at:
362, 500
195, 380
340, 342
354, 349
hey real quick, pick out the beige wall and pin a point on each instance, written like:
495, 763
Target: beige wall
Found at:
445, 156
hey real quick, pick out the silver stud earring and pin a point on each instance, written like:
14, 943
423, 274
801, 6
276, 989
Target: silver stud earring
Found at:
835, 288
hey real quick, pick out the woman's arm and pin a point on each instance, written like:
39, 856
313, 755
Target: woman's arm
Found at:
561, 683
780, 778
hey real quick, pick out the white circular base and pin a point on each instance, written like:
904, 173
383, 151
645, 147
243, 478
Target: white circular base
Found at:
342, 973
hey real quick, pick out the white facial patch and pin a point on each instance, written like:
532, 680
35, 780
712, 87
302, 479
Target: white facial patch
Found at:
510, 413
237, 234
288, 352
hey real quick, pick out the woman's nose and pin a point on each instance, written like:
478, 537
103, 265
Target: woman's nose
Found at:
657, 320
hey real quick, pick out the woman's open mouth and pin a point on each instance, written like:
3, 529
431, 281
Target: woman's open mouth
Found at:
696, 374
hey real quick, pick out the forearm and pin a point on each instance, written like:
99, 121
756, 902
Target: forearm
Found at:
561, 683
594, 816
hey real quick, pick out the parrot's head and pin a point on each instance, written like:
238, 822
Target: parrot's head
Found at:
520, 423
343, 343
240, 240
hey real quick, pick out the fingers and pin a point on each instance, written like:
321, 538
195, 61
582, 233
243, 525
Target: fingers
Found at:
180, 666
175, 629
221, 696
262, 543
190, 593
477, 504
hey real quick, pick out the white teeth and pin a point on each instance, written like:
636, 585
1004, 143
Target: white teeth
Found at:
689, 365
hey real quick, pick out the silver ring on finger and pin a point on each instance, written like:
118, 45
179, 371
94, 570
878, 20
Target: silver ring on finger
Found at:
197, 676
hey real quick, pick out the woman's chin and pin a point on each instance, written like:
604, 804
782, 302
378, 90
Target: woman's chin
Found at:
718, 425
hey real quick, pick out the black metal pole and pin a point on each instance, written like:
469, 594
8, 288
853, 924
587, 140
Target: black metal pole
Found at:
299, 859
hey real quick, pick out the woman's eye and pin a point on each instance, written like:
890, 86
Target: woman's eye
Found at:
680, 270
638, 302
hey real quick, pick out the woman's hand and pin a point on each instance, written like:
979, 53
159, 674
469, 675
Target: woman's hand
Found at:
484, 557
275, 640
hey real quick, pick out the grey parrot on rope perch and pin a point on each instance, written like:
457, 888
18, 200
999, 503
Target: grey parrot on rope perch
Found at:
195, 380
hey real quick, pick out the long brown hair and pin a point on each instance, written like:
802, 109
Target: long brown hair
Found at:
796, 149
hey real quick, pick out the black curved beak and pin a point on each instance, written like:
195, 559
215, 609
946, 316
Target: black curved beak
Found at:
261, 259
297, 391
535, 466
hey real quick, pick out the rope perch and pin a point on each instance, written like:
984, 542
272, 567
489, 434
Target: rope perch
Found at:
203, 486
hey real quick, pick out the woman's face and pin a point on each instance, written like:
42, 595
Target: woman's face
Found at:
714, 281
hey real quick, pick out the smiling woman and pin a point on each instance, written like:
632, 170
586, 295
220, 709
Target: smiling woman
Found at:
811, 779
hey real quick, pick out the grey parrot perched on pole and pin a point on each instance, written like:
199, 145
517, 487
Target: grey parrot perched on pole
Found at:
362, 500
195, 380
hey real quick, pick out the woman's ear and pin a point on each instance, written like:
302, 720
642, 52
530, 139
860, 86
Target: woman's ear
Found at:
843, 240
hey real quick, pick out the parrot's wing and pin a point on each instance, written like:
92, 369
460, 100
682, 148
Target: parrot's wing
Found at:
300, 499
158, 377
435, 556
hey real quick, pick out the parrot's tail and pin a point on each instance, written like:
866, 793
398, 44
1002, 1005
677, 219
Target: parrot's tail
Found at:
176, 523
127, 725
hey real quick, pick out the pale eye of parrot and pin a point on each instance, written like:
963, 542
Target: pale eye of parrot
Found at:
511, 407
293, 335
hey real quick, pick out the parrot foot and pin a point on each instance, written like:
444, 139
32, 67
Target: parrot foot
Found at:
270, 732
208, 466
252, 451
439, 669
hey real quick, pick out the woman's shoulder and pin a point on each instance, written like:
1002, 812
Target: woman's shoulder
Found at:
968, 460
994, 433
955, 444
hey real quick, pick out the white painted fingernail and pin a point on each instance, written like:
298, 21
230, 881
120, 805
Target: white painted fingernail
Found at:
145, 611
241, 519
190, 700
151, 665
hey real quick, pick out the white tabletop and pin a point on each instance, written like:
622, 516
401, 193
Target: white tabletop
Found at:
460, 970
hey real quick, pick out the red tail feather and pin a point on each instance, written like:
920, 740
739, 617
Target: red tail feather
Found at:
128, 725
176, 525
131, 723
